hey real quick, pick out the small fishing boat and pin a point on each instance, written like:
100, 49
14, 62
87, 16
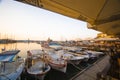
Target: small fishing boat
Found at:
73, 49
93, 54
56, 62
55, 45
50, 57
54, 59
39, 70
11, 65
71, 57
38, 53
36, 65
60, 65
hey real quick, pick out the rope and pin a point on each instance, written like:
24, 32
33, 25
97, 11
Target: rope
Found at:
75, 66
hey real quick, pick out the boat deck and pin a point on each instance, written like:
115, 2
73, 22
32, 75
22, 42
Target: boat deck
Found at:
9, 67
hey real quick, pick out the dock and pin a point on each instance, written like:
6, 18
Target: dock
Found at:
92, 72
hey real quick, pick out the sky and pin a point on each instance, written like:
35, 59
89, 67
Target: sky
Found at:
22, 21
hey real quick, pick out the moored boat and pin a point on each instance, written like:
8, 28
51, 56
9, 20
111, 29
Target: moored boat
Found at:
93, 54
36, 65
72, 57
11, 65
56, 62
38, 70
55, 46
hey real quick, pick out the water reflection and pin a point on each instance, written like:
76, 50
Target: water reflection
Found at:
24, 47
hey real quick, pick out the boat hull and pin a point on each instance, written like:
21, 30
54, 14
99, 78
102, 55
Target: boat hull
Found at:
14, 75
59, 67
38, 72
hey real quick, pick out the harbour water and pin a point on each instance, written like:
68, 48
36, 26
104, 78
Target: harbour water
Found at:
23, 47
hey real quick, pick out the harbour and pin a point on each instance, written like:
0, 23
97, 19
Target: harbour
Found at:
73, 70
59, 40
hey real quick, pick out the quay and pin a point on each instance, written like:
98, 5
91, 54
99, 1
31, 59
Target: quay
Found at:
93, 71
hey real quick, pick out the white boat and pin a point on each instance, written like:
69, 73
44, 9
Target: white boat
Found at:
11, 66
55, 45
71, 57
38, 53
50, 57
39, 70
56, 62
93, 54
72, 49
77, 59
36, 65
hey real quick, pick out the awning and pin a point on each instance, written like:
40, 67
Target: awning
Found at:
7, 58
102, 15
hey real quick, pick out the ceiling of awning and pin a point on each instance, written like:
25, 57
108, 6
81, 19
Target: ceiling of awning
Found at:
101, 15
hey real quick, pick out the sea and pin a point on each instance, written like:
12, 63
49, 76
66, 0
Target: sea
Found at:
23, 47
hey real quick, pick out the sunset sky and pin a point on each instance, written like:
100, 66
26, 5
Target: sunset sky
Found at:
22, 21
